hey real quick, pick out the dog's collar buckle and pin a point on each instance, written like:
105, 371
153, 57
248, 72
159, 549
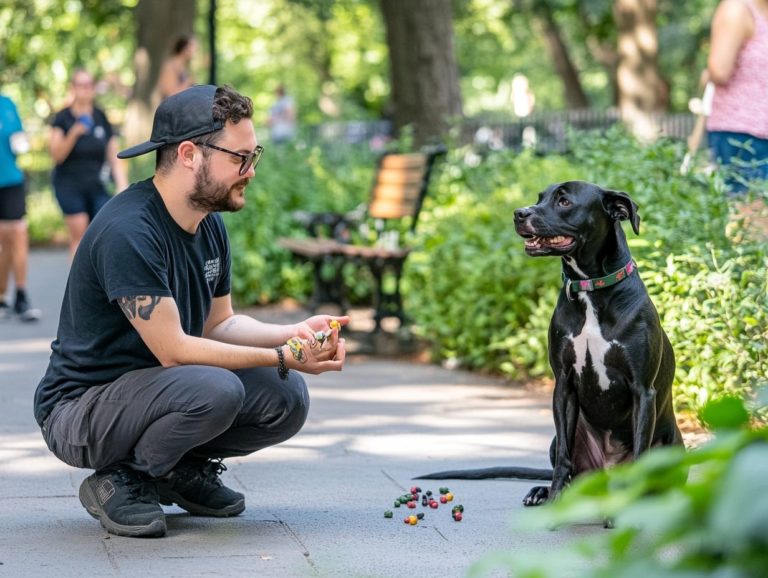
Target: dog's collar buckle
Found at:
568, 284
572, 286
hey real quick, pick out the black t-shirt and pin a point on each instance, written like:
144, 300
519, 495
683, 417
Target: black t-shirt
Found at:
85, 161
133, 247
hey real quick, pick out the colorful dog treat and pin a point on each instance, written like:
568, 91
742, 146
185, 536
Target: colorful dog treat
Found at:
334, 324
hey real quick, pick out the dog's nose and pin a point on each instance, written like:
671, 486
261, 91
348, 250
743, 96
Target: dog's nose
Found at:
522, 214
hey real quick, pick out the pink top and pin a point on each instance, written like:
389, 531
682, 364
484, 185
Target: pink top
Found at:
741, 105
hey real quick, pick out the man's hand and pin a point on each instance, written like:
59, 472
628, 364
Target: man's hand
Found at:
317, 347
309, 327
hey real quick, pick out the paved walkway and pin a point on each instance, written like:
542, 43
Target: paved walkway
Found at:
315, 503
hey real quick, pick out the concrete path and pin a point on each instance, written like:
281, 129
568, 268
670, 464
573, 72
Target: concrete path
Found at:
316, 503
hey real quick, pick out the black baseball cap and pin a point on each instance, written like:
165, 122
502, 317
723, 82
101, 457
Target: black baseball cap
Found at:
182, 116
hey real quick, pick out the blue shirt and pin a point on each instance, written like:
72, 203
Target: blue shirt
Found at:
10, 123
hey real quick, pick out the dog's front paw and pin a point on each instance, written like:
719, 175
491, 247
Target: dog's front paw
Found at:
536, 496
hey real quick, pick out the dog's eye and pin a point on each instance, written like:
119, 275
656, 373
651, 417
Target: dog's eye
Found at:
563, 202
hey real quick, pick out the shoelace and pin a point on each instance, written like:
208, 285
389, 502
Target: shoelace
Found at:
212, 470
137, 488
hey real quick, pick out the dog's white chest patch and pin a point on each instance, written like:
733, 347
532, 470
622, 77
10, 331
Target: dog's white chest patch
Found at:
591, 339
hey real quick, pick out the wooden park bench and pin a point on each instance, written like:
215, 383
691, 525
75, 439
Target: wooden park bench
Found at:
398, 192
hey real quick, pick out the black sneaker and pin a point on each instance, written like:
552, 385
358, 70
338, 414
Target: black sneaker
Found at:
123, 502
196, 487
23, 309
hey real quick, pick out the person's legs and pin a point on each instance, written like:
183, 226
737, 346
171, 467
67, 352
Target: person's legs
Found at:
76, 226
150, 418
14, 250
6, 247
136, 429
273, 411
75, 207
743, 157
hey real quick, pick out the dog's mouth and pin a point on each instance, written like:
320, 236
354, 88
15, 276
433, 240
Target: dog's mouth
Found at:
558, 243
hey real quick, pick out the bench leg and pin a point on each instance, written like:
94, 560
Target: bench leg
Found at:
328, 291
387, 304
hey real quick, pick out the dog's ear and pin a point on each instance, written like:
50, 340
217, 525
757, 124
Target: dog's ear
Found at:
621, 207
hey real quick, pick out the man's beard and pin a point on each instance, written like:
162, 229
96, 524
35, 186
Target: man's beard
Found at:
212, 196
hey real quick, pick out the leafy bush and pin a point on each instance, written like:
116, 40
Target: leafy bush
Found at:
470, 287
44, 218
714, 305
291, 178
481, 302
677, 514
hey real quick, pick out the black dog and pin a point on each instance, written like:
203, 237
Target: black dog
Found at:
612, 361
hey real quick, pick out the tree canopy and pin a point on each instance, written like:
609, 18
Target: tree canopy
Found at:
333, 55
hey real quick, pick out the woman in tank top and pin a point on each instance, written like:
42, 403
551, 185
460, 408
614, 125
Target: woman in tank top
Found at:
738, 66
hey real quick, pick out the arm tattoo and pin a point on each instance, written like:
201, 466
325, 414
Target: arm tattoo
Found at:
141, 305
230, 324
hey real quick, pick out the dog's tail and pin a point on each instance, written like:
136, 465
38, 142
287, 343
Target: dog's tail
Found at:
514, 472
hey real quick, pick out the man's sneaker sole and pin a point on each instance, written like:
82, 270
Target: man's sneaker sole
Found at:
88, 499
168, 498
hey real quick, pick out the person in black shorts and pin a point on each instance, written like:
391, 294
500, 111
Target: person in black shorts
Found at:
14, 238
84, 149
153, 379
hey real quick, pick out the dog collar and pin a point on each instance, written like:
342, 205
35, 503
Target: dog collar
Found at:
578, 285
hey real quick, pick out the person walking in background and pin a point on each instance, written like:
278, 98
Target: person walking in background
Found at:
738, 66
175, 73
282, 117
14, 238
153, 379
84, 149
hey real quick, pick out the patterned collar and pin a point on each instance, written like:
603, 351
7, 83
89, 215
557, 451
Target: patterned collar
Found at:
572, 286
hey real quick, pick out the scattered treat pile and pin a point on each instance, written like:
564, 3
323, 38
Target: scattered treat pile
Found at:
427, 500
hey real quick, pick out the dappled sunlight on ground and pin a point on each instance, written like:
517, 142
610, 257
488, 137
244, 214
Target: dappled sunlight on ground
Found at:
27, 454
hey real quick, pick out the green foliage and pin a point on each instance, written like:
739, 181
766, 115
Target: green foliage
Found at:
484, 304
676, 513
287, 180
470, 280
713, 304
44, 219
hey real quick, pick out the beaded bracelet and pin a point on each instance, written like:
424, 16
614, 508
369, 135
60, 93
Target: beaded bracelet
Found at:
282, 369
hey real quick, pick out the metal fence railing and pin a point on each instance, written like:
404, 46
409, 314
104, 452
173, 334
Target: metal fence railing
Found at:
545, 132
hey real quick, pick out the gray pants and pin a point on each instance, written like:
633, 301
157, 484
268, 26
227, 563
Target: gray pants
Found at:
152, 418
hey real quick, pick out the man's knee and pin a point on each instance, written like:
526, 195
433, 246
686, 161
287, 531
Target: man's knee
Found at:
214, 389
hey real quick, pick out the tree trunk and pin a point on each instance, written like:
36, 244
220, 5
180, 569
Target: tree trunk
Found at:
423, 71
158, 25
575, 97
642, 91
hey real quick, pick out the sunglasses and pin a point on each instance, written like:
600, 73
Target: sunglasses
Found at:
247, 161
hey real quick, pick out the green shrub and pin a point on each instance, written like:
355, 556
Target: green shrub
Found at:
290, 178
677, 514
714, 306
471, 289
44, 218
482, 303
